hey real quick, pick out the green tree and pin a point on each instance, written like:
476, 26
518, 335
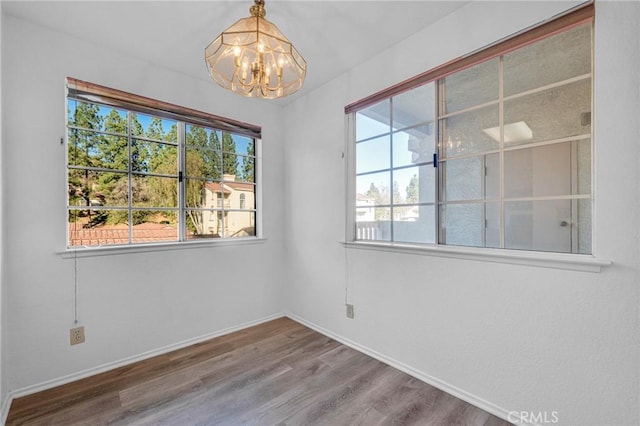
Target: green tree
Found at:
397, 198
380, 197
229, 156
412, 190
249, 164
83, 150
162, 191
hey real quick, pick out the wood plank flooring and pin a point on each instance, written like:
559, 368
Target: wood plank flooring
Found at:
276, 373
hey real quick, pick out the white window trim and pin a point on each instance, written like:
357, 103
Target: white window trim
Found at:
567, 261
80, 252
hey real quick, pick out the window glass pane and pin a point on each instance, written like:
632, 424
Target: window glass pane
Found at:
470, 87
469, 132
414, 185
375, 186
469, 178
492, 225
230, 166
414, 107
153, 157
202, 194
98, 227
236, 144
550, 60
154, 226
414, 224
203, 163
552, 114
583, 155
203, 137
548, 170
89, 149
538, 225
373, 154
463, 224
583, 221
220, 224
415, 145
153, 191
246, 168
98, 188
203, 224
373, 223
157, 128
244, 145
234, 193
373, 121
240, 224
96, 117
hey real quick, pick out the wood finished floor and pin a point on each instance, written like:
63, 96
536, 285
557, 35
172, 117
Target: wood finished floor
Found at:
276, 373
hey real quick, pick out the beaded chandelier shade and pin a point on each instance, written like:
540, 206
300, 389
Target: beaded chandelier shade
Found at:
254, 59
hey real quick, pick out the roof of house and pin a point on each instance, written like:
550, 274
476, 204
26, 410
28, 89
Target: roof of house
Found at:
226, 187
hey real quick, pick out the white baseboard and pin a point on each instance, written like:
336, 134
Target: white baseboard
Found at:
6, 404
28, 390
433, 381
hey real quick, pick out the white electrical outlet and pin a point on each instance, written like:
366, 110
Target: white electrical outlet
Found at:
76, 335
350, 313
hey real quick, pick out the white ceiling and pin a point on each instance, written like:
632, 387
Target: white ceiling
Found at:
333, 36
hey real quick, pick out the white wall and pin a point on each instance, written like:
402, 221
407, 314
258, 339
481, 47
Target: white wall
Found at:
133, 303
3, 388
506, 337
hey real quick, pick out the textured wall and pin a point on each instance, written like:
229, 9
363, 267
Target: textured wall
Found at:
129, 303
507, 337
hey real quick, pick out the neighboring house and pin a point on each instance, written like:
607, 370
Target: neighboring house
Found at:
227, 201
365, 211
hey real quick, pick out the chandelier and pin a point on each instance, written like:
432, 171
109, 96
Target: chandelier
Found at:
254, 59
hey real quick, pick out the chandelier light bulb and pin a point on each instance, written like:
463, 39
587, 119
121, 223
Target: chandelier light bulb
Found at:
243, 58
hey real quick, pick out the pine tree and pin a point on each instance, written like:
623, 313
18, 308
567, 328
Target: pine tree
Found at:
229, 156
249, 164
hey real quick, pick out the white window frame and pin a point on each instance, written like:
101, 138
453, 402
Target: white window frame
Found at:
92, 93
581, 262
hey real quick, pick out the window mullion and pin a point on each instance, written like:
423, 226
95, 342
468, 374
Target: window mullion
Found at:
182, 208
391, 171
130, 174
501, 147
440, 177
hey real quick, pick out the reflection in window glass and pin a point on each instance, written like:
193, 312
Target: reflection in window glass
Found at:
373, 121
548, 61
468, 133
471, 87
414, 107
373, 154
514, 154
550, 114
413, 146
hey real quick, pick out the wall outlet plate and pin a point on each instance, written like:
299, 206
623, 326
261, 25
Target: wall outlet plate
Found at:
350, 312
76, 335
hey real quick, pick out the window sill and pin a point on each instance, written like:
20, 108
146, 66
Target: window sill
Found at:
573, 262
146, 248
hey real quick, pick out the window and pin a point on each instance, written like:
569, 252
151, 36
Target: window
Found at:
493, 151
142, 171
